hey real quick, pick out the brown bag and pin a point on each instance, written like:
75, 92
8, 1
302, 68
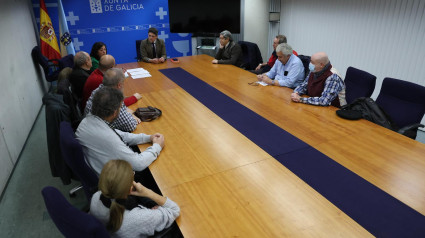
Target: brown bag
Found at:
147, 113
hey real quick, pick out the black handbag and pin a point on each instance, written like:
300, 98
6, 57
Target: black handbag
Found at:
149, 113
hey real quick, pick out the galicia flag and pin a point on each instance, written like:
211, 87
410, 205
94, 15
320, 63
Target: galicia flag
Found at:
48, 41
65, 38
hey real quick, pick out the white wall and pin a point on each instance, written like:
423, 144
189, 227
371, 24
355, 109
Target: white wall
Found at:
21, 87
383, 37
256, 24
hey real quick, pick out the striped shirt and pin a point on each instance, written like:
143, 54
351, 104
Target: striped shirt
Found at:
334, 86
124, 122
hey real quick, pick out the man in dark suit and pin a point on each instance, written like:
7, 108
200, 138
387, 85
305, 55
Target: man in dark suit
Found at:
80, 73
229, 52
152, 49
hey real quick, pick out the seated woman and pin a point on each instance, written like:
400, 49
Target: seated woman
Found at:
123, 218
97, 50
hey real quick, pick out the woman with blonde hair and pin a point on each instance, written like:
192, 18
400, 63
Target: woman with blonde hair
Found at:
122, 217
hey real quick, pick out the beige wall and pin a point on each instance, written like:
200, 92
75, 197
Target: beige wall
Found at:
21, 89
256, 24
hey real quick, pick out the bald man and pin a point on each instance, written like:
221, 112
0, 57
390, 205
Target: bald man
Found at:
95, 79
80, 73
322, 86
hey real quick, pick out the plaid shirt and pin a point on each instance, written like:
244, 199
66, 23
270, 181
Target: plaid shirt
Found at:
333, 87
124, 122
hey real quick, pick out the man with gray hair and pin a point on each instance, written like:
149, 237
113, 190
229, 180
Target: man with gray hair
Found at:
101, 142
126, 121
288, 70
322, 86
80, 73
229, 52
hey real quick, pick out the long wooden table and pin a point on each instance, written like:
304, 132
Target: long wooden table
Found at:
227, 186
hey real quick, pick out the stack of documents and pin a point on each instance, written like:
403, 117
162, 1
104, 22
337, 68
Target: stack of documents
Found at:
139, 73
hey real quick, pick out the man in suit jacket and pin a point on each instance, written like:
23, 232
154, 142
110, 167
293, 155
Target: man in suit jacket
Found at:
152, 49
229, 52
80, 73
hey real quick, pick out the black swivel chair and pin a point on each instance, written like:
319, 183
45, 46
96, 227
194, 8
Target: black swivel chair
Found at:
404, 102
251, 55
139, 56
72, 153
306, 61
358, 84
52, 67
70, 221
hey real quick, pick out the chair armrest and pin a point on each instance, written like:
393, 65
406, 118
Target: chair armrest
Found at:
410, 127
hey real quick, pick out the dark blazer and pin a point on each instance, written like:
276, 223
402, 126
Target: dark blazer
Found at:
78, 78
147, 52
56, 111
232, 54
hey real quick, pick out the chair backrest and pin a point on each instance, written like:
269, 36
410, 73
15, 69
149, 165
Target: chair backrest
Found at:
358, 83
72, 152
70, 221
66, 61
139, 56
306, 61
403, 101
39, 58
52, 67
251, 54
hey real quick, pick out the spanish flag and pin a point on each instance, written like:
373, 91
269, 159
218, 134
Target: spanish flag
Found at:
49, 43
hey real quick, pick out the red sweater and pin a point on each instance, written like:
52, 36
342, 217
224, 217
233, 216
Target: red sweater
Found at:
93, 81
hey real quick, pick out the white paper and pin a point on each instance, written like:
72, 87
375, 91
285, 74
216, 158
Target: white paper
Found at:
139, 73
138, 76
262, 83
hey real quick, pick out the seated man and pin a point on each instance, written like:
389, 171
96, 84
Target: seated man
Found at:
80, 73
95, 79
266, 67
101, 142
126, 121
321, 85
152, 49
288, 71
229, 52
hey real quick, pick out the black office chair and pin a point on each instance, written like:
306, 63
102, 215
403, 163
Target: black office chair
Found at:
139, 56
51, 67
70, 221
72, 153
358, 83
251, 55
306, 61
404, 102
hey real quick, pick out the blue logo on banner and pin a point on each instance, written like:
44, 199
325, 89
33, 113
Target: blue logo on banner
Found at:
117, 23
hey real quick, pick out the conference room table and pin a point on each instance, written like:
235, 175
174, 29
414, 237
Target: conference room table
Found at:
227, 186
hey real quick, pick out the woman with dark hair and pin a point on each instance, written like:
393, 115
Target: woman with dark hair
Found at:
112, 205
97, 50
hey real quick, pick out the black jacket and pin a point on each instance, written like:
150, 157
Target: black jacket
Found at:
232, 54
